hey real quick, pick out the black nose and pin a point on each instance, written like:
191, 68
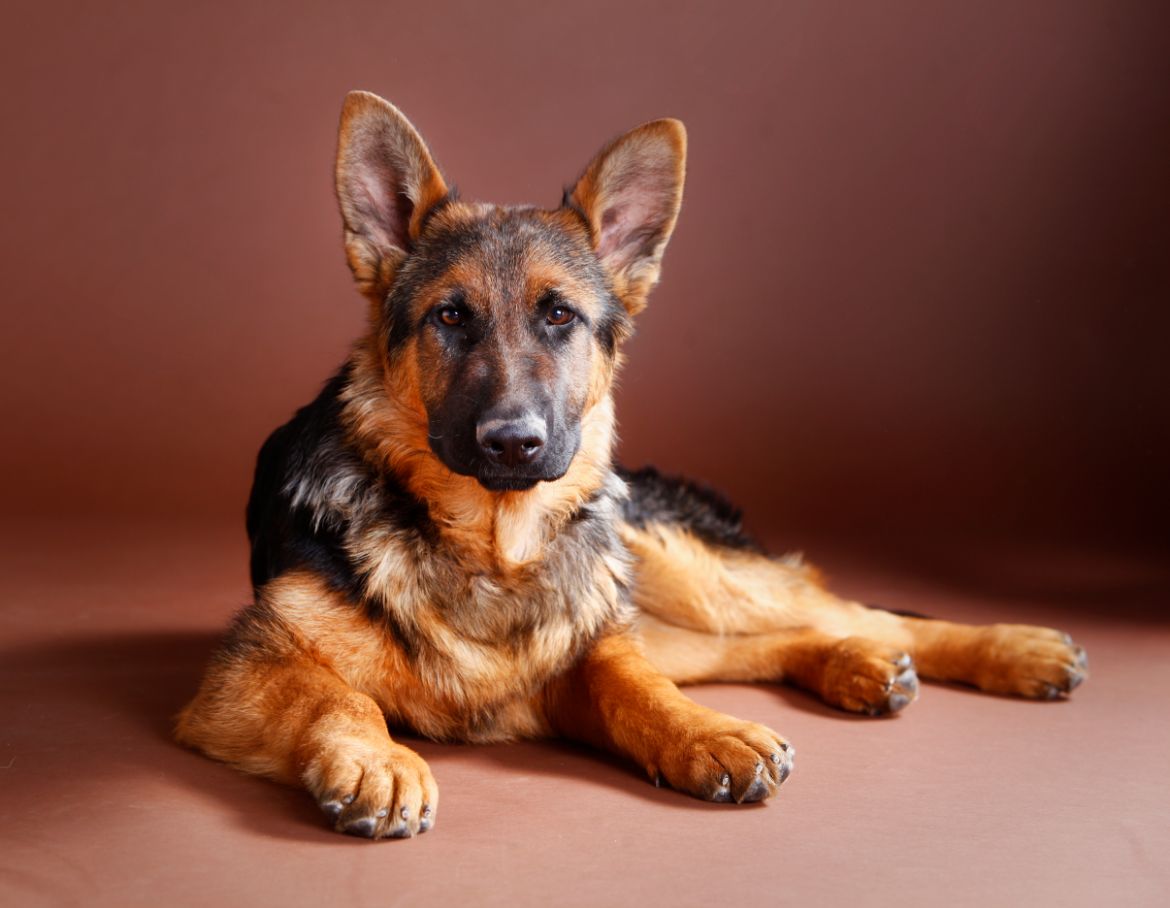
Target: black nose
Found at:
511, 442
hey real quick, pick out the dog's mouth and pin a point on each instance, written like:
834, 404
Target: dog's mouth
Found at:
508, 483
495, 479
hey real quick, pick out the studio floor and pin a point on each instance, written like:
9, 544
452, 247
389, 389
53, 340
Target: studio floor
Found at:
964, 799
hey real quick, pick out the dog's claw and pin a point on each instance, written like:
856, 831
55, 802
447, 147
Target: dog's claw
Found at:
757, 791
363, 828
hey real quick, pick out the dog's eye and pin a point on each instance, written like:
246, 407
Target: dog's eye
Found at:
560, 315
451, 316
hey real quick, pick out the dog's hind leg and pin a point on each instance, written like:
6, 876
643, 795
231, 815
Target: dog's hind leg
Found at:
858, 674
764, 618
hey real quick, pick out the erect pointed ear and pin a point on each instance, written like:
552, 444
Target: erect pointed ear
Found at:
386, 183
630, 195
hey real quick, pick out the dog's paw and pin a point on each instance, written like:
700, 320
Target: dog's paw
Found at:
374, 792
1036, 662
865, 676
727, 760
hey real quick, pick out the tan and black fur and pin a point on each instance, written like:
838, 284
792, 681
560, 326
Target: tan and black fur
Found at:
441, 540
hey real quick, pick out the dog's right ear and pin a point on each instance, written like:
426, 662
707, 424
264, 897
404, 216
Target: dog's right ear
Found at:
386, 183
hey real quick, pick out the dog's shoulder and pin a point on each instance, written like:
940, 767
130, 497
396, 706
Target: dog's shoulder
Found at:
310, 487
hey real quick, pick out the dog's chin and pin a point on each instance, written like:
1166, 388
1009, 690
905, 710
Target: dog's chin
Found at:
508, 483
498, 481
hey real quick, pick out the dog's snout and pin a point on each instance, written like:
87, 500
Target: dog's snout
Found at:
511, 442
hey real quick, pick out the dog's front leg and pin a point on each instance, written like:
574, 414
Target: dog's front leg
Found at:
272, 703
297, 722
614, 699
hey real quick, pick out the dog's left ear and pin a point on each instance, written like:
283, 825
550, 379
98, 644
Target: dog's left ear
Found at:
630, 194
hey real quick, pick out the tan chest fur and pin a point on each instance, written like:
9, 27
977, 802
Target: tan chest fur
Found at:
450, 652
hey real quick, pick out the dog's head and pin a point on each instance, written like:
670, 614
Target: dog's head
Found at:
499, 328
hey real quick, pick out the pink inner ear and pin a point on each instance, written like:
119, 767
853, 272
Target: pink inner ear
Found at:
628, 227
636, 210
614, 227
385, 206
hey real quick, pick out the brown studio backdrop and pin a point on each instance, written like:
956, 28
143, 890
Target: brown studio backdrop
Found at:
920, 281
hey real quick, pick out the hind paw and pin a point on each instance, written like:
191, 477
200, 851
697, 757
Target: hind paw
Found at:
865, 676
1035, 662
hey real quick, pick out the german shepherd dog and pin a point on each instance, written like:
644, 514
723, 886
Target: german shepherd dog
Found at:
441, 539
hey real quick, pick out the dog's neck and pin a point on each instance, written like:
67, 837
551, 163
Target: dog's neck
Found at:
499, 531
